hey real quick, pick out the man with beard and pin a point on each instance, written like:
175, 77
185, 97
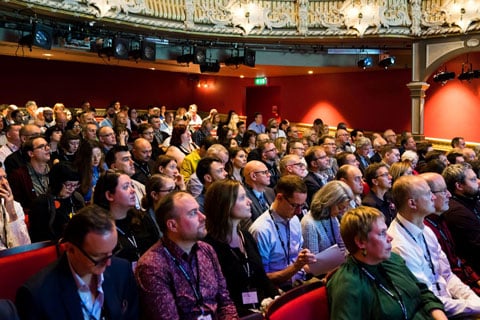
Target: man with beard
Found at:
179, 277
420, 249
463, 216
436, 222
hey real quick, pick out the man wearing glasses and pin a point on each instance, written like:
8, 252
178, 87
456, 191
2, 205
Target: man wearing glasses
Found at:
87, 282
31, 180
279, 234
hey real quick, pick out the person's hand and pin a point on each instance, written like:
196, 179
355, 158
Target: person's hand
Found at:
304, 257
180, 182
6, 191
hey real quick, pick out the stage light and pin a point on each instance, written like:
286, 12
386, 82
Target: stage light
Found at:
121, 48
210, 67
249, 58
41, 36
387, 62
149, 51
199, 55
444, 76
365, 63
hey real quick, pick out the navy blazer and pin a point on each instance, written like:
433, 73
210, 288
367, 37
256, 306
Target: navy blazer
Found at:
255, 207
52, 293
313, 184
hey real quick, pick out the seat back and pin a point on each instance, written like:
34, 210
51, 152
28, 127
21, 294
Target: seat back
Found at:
20, 263
307, 303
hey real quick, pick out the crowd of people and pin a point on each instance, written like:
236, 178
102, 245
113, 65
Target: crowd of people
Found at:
166, 215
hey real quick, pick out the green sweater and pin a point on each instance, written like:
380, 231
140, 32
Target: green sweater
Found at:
352, 294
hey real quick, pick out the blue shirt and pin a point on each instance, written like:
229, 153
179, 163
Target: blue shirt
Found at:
272, 242
258, 128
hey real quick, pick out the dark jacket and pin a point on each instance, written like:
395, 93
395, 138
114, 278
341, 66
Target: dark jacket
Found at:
52, 293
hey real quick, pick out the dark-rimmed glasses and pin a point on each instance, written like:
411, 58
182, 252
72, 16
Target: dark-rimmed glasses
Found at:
100, 262
295, 206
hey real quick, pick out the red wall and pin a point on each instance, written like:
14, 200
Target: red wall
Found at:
373, 100
454, 108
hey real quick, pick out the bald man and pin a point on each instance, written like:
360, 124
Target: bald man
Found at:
142, 160
257, 179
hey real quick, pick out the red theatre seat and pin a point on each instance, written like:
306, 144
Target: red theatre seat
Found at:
20, 263
306, 302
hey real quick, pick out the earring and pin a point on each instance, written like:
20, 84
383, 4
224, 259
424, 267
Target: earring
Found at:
364, 252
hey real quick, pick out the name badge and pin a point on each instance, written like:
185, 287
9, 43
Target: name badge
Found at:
249, 297
204, 317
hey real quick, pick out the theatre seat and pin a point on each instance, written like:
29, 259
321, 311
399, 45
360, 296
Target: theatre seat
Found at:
306, 302
20, 263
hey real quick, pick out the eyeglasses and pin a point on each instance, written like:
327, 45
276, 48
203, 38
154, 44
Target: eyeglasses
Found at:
148, 133
100, 262
383, 175
73, 185
443, 191
299, 148
295, 206
265, 172
329, 144
319, 158
44, 146
270, 150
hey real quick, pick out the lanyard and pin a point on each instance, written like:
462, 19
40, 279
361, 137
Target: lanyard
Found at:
286, 249
245, 262
427, 257
399, 300
332, 230
196, 287
446, 239
132, 240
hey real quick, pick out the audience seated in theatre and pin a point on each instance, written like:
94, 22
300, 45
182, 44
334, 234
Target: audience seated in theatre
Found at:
226, 205
160, 274
354, 291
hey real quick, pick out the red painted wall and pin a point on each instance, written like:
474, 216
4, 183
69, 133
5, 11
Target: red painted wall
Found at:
372, 100
453, 109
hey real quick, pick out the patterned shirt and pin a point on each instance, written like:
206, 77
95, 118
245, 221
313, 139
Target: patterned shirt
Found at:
165, 291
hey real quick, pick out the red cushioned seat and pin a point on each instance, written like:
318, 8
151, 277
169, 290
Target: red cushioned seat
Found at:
305, 304
20, 263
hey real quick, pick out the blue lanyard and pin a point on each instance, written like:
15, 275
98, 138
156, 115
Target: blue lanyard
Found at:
286, 249
427, 257
196, 287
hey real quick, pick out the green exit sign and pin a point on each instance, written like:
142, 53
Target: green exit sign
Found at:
262, 81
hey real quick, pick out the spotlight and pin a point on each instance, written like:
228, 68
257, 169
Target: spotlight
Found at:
444, 76
185, 58
387, 62
210, 67
365, 63
199, 55
41, 36
468, 74
249, 58
121, 48
149, 51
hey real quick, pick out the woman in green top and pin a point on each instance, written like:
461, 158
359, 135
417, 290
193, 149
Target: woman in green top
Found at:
374, 283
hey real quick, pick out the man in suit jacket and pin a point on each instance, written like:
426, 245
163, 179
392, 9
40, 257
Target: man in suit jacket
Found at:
87, 282
257, 179
317, 163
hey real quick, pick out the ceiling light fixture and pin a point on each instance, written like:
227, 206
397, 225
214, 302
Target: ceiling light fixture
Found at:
365, 63
387, 62
444, 76
41, 36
